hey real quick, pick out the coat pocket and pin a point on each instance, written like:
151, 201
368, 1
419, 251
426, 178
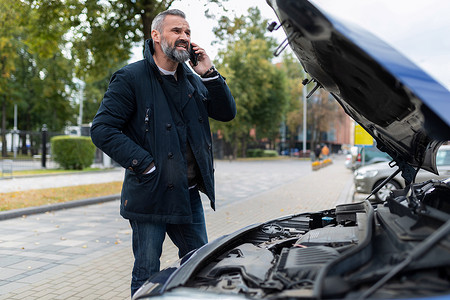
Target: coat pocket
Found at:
138, 192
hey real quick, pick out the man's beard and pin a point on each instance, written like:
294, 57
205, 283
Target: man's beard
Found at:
179, 56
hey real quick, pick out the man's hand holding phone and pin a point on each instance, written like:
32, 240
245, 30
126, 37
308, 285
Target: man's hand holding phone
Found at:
193, 57
198, 55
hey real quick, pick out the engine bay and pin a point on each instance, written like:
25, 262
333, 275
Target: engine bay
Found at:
347, 252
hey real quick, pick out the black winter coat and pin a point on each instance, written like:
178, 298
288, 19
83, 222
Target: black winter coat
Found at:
134, 126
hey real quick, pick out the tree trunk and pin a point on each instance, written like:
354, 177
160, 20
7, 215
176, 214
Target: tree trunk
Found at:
244, 146
149, 12
147, 20
235, 145
23, 140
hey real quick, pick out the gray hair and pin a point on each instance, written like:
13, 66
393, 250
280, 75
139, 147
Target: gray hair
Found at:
158, 21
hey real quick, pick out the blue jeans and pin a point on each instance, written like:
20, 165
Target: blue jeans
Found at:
148, 238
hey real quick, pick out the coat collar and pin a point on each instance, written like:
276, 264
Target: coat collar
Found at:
182, 70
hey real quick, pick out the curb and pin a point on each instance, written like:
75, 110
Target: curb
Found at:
15, 213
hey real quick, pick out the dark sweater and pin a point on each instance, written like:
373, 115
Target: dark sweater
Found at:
174, 90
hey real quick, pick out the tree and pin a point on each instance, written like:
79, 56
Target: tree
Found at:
35, 76
321, 108
294, 114
44, 78
322, 111
10, 29
259, 87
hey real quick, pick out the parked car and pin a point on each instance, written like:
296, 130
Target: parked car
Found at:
350, 158
394, 250
369, 155
348, 161
291, 152
369, 177
295, 152
364, 156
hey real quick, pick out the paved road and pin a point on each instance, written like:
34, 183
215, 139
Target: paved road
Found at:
85, 252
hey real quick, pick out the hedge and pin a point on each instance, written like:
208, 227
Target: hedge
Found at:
261, 153
270, 153
73, 152
255, 152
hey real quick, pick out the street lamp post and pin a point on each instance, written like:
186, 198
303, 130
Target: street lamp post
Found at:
44, 146
15, 138
304, 91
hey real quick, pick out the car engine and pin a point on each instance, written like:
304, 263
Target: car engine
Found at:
397, 249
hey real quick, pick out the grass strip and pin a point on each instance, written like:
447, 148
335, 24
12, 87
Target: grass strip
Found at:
50, 172
31, 198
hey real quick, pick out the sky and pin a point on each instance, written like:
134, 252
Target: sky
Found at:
419, 29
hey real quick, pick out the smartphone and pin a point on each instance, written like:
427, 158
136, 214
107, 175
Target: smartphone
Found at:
193, 57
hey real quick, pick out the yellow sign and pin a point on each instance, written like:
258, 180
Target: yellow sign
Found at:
362, 137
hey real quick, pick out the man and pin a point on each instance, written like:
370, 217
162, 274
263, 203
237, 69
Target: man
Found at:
153, 121
317, 151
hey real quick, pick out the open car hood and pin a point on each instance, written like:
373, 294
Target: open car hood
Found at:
403, 108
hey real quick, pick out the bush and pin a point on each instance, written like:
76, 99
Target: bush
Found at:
270, 153
261, 153
73, 152
255, 152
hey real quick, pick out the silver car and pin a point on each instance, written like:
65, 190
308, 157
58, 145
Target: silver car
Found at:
369, 177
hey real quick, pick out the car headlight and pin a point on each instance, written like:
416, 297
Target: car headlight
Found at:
361, 174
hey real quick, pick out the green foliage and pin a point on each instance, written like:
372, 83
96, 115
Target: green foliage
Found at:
104, 33
39, 77
93, 92
255, 152
270, 153
10, 28
294, 114
73, 152
258, 86
245, 28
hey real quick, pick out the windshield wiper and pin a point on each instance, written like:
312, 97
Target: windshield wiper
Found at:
417, 252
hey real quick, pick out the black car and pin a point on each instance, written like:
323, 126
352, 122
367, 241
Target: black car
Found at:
396, 249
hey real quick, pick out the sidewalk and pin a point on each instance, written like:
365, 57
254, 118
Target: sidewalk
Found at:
85, 252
